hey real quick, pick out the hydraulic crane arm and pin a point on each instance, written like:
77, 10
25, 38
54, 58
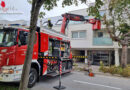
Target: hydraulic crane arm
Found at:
66, 17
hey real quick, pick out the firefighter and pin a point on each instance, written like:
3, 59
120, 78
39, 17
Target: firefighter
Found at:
49, 24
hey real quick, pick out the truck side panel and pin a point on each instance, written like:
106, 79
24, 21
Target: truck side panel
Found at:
44, 50
44, 42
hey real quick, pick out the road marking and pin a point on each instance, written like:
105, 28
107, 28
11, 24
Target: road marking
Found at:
96, 84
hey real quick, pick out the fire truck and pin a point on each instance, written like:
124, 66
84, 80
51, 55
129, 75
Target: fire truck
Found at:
48, 42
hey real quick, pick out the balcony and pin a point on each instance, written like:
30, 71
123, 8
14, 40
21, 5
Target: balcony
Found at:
102, 41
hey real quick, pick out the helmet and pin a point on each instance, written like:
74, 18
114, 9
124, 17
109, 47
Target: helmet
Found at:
49, 19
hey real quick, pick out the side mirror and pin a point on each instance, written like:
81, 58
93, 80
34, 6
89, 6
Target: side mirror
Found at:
22, 38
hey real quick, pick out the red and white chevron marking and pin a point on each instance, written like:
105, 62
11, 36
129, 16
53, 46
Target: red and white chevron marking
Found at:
60, 67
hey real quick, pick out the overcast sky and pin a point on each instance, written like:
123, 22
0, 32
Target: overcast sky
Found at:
57, 11
24, 7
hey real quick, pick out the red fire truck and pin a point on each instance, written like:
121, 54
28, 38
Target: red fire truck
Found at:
48, 42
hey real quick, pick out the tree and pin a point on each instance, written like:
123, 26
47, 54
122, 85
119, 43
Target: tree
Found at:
36, 5
117, 22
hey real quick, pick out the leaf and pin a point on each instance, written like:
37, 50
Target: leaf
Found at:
41, 14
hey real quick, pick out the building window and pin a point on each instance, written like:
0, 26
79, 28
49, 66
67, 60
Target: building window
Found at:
74, 34
86, 17
76, 22
82, 34
79, 34
100, 34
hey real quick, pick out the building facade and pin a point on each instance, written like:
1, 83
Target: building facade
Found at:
97, 45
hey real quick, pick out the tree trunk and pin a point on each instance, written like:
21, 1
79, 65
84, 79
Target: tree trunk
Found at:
28, 58
124, 56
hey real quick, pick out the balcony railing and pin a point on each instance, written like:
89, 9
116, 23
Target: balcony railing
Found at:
102, 41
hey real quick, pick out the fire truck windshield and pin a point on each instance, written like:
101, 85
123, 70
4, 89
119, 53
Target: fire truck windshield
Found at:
7, 37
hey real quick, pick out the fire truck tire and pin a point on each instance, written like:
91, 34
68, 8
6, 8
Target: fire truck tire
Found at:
33, 76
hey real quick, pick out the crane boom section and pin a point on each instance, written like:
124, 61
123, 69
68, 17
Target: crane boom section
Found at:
74, 17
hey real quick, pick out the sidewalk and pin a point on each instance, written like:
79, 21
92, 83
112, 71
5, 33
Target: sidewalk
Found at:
95, 69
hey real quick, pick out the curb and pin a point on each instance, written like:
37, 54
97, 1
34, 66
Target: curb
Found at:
108, 74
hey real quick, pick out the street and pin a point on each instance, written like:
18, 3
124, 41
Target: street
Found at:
80, 81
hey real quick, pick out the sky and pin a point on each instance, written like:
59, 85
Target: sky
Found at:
22, 6
57, 11
16, 9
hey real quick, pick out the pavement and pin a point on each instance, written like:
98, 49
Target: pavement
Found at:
80, 81
95, 70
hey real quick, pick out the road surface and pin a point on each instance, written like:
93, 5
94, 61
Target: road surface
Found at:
80, 81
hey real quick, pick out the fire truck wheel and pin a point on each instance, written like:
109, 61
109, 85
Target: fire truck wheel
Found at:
32, 77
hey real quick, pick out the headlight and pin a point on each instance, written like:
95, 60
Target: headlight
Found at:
7, 71
4, 50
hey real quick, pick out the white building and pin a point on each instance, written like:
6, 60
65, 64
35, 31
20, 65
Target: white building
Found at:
96, 44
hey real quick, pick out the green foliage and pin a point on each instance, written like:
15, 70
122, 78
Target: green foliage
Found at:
115, 70
70, 2
128, 65
49, 4
125, 72
94, 10
101, 66
41, 14
118, 11
29, 1
124, 27
75, 64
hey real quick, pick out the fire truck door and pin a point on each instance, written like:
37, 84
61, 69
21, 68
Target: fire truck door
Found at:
21, 47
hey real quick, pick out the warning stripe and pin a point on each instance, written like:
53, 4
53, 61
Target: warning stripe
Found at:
79, 56
51, 57
48, 57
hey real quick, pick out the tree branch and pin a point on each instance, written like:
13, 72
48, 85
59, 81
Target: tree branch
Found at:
127, 34
112, 35
115, 38
119, 34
